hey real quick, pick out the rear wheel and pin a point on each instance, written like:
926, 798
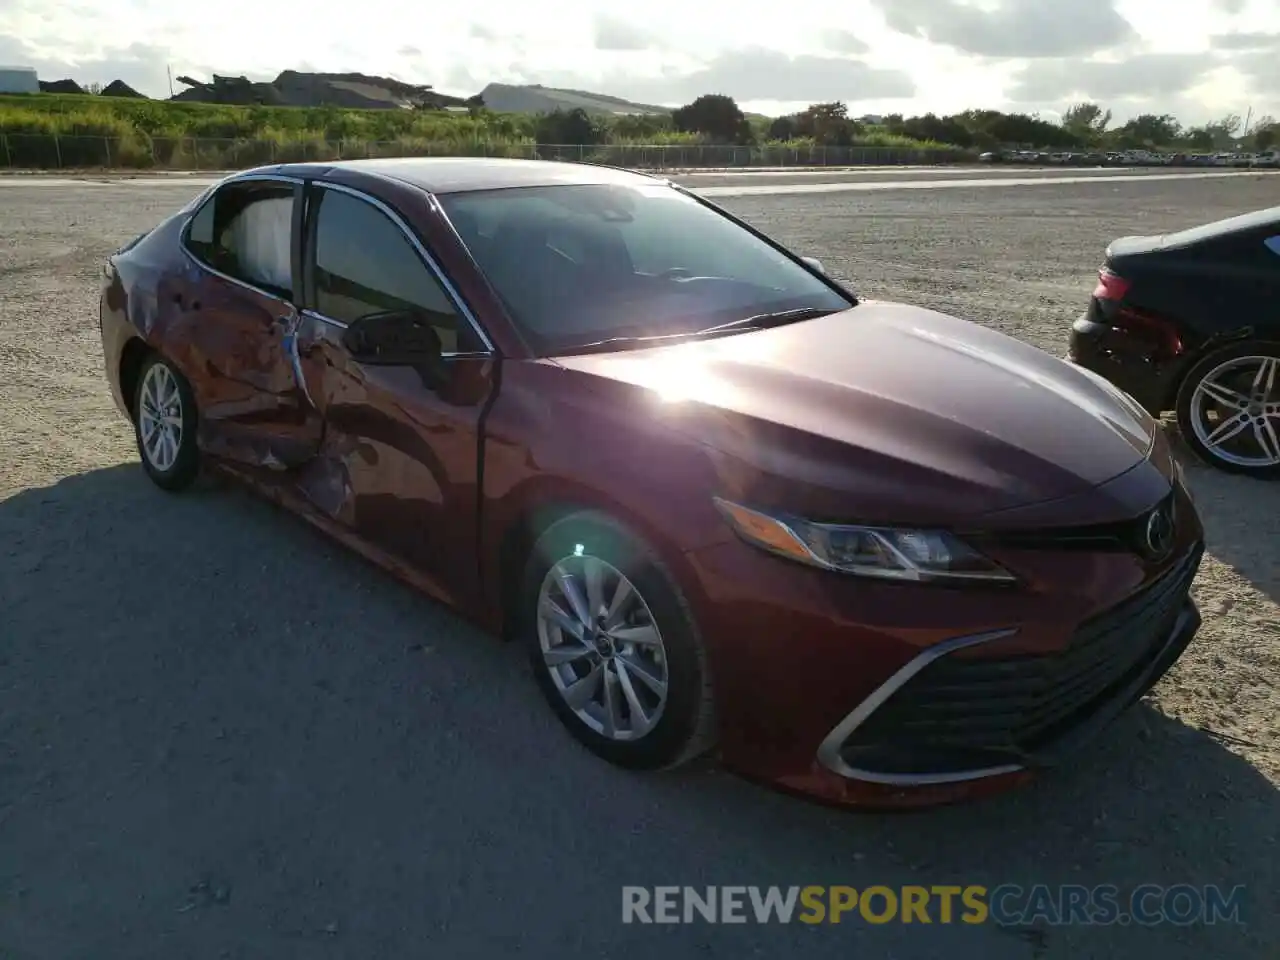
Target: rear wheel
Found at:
1228, 409
613, 645
164, 421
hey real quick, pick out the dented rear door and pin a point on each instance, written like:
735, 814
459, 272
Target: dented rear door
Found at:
236, 323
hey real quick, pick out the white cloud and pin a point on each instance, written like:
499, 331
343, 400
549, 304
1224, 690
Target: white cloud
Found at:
880, 55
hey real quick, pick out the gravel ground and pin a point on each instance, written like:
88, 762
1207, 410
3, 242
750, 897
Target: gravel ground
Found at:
223, 736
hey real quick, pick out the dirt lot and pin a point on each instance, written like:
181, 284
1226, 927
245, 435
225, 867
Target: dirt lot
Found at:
221, 736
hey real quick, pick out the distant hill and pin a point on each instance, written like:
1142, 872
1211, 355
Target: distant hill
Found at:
295, 89
535, 98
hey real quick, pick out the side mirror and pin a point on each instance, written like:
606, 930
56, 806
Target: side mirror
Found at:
394, 338
816, 264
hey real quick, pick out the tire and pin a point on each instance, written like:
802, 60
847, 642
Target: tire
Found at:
175, 466
659, 737
1237, 365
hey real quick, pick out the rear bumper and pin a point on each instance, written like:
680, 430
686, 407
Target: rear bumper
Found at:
1125, 361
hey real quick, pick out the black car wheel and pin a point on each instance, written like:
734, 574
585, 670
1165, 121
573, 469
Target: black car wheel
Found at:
164, 424
1228, 409
613, 645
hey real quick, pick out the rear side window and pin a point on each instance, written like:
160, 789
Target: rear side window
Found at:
245, 231
365, 264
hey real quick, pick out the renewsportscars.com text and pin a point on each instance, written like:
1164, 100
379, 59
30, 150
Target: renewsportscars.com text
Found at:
1005, 905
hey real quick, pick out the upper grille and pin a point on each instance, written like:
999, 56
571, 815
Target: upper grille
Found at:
1015, 706
1127, 535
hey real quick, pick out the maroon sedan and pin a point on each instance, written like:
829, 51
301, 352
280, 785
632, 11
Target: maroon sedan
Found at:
863, 550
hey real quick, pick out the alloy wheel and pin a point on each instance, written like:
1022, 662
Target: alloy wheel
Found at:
1235, 411
601, 647
160, 417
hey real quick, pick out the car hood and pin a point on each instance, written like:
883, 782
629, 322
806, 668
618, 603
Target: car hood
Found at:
886, 412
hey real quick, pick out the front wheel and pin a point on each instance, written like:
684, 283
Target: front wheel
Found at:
613, 645
1228, 409
164, 422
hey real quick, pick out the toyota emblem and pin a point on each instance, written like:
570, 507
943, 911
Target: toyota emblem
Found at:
1160, 531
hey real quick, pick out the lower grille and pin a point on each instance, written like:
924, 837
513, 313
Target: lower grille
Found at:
1004, 710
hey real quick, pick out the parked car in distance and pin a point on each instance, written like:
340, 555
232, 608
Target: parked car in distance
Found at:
1188, 322
865, 551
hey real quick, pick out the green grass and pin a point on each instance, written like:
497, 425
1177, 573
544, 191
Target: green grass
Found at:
72, 131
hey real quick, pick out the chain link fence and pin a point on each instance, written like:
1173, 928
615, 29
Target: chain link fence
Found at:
140, 152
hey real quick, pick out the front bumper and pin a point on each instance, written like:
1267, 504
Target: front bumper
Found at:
947, 718
824, 682
1125, 361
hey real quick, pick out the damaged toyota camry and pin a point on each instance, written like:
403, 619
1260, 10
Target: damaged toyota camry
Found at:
858, 550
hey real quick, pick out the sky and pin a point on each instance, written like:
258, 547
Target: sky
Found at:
1197, 59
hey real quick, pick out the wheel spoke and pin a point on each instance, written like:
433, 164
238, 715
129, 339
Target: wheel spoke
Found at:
610, 704
553, 612
573, 593
1228, 429
566, 653
641, 672
622, 594
1223, 394
1268, 439
153, 445
645, 635
593, 573
1265, 381
579, 693
640, 721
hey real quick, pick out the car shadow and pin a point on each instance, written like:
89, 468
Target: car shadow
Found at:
1241, 518
221, 729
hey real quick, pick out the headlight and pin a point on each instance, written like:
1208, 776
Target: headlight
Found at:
889, 553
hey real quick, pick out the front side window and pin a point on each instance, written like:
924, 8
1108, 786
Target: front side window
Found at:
580, 264
1273, 244
364, 264
245, 231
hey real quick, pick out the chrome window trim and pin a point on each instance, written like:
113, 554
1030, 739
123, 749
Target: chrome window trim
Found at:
829, 750
212, 191
450, 291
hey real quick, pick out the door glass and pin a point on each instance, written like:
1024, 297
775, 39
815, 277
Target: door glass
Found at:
365, 264
245, 231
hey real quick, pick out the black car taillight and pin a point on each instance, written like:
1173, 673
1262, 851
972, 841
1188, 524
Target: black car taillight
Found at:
1111, 286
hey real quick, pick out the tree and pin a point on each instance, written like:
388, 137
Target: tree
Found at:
575, 127
1088, 121
1201, 138
783, 128
94, 88
716, 116
1149, 130
827, 124
1266, 132
1224, 130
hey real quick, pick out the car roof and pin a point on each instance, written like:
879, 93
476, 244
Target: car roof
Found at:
465, 174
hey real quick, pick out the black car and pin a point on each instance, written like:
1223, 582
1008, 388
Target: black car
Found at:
1190, 322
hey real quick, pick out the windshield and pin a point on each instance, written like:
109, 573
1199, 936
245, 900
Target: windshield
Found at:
602, 266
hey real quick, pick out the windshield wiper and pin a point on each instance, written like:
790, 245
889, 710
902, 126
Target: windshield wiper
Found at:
758, 321
761, 320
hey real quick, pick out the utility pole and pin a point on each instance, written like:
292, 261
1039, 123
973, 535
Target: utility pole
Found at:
169, 70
